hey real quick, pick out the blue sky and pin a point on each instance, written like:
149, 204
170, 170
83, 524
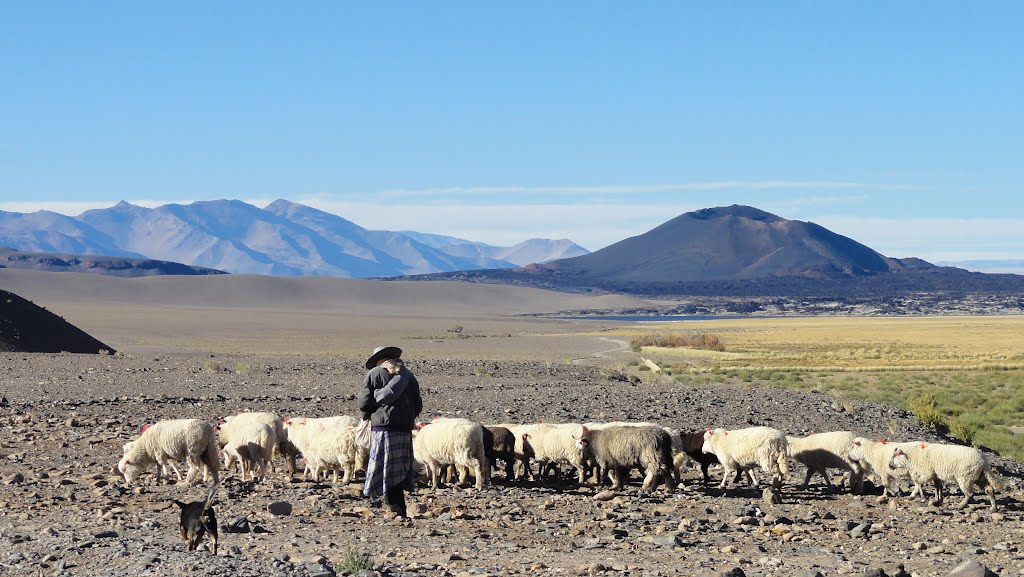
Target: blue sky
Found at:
896, 123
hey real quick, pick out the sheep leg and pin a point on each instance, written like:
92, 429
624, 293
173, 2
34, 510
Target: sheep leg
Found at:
968, 490
725, 477
753, 477
434, 472
478, 471
613, 473
650, 479
938, 490
807, 478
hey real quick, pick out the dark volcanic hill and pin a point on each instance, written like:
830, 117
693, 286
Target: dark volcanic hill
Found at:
741, 250
107, 265
28, 328
730, 243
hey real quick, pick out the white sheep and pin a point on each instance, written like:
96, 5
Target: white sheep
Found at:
551, 445
873, 457
187, 440
243, 420
937, 464
327, 443
745, 449
823, 451
451, 441
251, 444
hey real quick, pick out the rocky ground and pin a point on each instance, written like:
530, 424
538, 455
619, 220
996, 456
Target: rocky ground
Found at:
63, 419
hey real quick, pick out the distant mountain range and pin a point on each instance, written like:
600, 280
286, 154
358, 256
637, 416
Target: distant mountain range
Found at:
1006, 266
283, 238
740, 250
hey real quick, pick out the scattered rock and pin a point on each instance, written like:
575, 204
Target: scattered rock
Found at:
971, 568
279, 508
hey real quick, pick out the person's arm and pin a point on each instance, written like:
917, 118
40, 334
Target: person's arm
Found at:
367, 404
387, 394
417, 400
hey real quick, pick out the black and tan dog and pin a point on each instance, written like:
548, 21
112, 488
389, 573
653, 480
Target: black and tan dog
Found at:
197, 519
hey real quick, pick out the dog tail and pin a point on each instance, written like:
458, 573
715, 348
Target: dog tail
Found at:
209, 496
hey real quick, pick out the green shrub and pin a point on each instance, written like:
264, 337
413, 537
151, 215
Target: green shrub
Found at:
925, 410
355, 561
963, 429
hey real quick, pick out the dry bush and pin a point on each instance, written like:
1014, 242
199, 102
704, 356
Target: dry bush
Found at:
705, 341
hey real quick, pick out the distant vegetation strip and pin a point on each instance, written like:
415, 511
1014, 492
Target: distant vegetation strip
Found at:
704, 341
961, 375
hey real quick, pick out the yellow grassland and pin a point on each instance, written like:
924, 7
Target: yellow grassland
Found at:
972, 366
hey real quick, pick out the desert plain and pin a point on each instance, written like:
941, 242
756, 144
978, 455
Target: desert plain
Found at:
207, 347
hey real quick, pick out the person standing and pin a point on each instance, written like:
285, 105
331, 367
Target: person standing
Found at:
390, 399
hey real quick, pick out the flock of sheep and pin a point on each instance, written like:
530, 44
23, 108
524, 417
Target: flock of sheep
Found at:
597, 452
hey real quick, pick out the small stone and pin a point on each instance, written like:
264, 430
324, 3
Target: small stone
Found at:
14, 479
105, 535
729, 549
860, 530
918, 546
280, 508
606, 495
936, 550
771, 496
971, 568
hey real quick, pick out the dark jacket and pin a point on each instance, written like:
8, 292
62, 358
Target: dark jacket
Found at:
397, 415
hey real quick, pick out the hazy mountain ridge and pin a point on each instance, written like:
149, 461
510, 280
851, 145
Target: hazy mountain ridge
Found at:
534, 250
283, 238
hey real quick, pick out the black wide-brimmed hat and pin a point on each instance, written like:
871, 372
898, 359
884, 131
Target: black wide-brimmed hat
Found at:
381, 353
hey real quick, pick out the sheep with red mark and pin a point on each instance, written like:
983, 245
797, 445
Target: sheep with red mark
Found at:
187, 440
747, 449
937, 463
873, 458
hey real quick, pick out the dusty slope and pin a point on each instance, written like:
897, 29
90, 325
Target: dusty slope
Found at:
244, 313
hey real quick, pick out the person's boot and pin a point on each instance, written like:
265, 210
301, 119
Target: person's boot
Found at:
396, 501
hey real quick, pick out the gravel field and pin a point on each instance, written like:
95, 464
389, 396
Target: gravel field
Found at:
64, 418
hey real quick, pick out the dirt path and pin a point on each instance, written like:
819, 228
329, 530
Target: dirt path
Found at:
620, 346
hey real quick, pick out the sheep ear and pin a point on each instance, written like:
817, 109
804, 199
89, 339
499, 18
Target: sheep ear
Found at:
881, 441
922, 445
726, 433
857, 443
584, 430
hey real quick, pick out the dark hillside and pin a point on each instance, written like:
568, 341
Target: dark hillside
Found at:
28, 328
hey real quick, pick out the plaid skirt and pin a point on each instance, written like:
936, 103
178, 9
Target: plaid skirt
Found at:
390, 462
